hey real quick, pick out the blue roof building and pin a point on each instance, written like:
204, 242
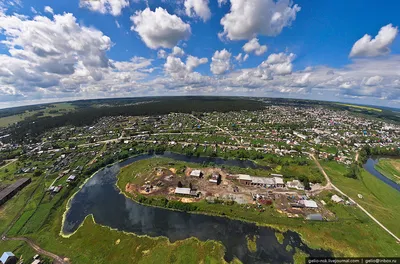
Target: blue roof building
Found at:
8, 258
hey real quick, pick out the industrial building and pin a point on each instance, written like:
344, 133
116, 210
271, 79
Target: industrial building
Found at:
13, 189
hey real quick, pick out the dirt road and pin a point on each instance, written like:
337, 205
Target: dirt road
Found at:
345, 195
39, 250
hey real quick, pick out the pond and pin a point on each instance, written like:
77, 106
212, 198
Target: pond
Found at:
100, 197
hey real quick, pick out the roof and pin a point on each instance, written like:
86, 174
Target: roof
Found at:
315, 217
336, 198
309, 203
36, 261
196, 173
276, 175
179, 190
262, 180
5, 256
13, 187
244, 177
278, 180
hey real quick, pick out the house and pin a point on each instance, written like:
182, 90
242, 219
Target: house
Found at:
295, 184
309, 203
57, 189
215, 178
185, 191
36, 261
71, 178
276, 175
196, 173
8, 258
336, 199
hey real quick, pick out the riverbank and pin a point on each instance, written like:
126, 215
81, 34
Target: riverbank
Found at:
390, 168
341, 237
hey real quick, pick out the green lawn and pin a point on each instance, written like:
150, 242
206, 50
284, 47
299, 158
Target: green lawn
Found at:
389, 168
381, 200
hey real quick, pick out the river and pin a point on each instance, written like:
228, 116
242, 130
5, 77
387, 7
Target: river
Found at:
370, 167
100, 197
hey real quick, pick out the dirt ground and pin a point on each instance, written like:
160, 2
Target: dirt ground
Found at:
163, 181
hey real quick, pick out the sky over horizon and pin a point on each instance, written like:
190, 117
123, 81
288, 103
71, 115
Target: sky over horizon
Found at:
346, 51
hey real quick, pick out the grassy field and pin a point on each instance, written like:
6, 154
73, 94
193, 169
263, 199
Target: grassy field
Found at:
342, 236
362, 107
51, 110
389, 168
379, 199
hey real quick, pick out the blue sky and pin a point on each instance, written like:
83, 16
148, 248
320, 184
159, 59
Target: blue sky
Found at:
299, 49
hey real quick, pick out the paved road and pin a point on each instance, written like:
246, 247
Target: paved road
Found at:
39, 250
359, 206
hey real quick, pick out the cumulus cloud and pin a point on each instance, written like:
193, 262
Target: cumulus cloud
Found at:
162, 54
220, 62
254, 46
373, 81
113, 7
279, 63
177, 69
248, 19
178, 52
49, 10
198, 8
193, 62
159, 29
380, 45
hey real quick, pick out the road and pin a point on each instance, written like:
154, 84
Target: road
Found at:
39, 250
350, 199
8, 163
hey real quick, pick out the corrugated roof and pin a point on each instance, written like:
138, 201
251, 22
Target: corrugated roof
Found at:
5, 256
179, 190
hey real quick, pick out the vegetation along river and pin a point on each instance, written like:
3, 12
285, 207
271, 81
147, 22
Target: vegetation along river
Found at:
100, 197
370, 167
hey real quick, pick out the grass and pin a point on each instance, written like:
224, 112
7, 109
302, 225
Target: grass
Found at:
362, 107
60, 107
390, 168
19, 248
279, 237
251, 243
299, 257
378, 198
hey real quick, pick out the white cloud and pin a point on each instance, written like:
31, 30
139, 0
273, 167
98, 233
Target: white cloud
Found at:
162, 54
33, 10
49, 10
159, 29
248, 19
373, 81
222, 2
239, 57
245, 57
279, 63
380, 45
193, 62
177, 52
254, 46
113, 7
198, 8
303, 80
117, 24
220, 62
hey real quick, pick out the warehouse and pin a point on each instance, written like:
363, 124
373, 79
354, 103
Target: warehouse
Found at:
13, 189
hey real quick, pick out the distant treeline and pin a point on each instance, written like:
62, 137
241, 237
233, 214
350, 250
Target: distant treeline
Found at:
30, 130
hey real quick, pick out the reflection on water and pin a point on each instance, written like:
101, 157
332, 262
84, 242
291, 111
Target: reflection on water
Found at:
100, 197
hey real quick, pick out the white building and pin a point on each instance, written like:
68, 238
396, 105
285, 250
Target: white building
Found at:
295, 184
336, 199
309, 203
